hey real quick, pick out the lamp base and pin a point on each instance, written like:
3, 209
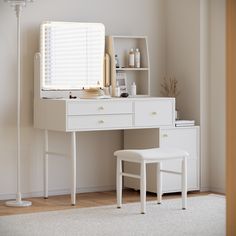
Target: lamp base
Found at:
18, 203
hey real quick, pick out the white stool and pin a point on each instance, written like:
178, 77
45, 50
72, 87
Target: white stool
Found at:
144, 156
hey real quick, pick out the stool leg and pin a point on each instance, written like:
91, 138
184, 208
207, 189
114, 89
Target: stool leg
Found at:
159, 183
143, 187
184, 183
119, 183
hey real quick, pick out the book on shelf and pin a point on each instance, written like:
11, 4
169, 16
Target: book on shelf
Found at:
183, 123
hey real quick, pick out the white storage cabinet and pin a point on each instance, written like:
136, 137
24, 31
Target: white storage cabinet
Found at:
186, 138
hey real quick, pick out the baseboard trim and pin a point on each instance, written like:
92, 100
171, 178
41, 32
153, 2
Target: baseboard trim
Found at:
217, 190
58, 192
212, 189
205, 189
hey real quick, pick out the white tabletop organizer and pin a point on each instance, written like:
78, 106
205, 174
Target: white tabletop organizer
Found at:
120, 45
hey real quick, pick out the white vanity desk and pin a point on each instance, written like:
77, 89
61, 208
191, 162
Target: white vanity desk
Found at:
75, 115
71, 58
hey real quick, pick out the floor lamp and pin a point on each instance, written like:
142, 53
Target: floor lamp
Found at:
18, 5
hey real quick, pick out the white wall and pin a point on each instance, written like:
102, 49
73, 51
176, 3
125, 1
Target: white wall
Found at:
183, 54
217, 94
195, 55
204, 95
173, 28
186, 60
133, 17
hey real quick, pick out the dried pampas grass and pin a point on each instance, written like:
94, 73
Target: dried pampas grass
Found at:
169, 87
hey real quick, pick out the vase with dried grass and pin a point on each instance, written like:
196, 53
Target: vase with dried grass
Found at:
170, 89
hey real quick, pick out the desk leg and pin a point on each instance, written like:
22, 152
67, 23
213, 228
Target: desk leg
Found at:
46, 164
73, 166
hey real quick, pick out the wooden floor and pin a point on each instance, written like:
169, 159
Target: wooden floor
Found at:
53, 203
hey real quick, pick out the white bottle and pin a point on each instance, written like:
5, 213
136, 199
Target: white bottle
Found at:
133, 89
137, 58
117, 90
131, 58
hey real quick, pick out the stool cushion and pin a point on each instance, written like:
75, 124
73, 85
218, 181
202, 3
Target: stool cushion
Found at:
152, 154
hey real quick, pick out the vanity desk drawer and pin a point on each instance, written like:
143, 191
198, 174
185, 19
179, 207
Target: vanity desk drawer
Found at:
99, 107
99, 122
154, 113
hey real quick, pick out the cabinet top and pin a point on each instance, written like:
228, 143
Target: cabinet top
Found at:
112, 99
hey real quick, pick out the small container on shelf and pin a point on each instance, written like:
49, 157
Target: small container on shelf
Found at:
131, 58
117, 61
133, 89
137, 58
117, 90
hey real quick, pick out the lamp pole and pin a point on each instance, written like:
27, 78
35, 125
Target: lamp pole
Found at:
18, 5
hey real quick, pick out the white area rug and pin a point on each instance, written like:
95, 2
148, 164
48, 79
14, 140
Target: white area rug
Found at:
205, 216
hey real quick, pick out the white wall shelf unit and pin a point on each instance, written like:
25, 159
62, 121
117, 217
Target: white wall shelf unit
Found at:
121, 45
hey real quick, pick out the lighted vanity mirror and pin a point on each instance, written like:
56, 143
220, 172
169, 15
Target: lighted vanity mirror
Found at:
72, 55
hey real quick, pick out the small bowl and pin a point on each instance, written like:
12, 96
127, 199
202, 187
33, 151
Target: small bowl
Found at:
124, 95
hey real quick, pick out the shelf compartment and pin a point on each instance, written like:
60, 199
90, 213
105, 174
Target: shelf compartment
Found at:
121, 46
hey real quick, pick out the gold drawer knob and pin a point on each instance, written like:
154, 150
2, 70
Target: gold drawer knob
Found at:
165, 135
154, 113
101, 121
